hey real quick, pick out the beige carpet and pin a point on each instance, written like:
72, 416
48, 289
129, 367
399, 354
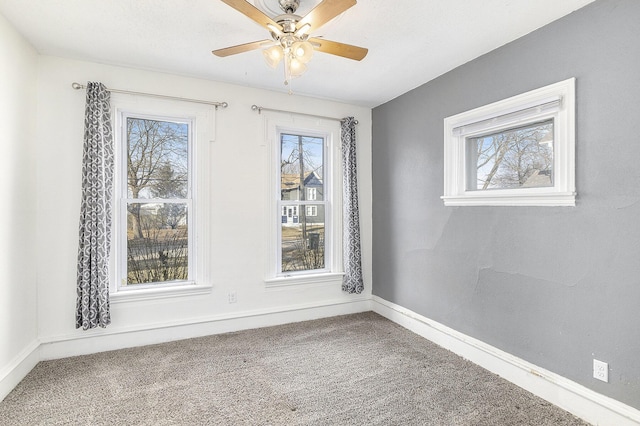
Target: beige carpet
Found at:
351, 370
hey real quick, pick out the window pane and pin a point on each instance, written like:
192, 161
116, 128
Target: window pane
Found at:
301, 167
157, 162
157, 243
515, 158
303, 243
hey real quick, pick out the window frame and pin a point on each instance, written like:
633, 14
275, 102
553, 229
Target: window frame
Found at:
201, 120
124, 201
275, 125
555, 101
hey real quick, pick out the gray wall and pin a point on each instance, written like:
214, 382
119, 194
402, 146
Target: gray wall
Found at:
554, 286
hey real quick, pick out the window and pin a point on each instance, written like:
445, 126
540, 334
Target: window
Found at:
311, 194
159, 152
157, 200
302, 243
305, 241
512, 158
519, 151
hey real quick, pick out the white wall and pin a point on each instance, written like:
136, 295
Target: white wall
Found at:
238, 226
18, 316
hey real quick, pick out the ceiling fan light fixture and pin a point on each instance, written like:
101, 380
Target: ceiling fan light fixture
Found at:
296, 68
302, 51
273, 56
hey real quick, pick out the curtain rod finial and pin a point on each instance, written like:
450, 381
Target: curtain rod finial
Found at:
77, 86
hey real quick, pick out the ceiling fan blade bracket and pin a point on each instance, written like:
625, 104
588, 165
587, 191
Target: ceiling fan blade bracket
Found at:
276, 31
301, 31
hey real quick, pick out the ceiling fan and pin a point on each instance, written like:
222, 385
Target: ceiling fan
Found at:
290, 40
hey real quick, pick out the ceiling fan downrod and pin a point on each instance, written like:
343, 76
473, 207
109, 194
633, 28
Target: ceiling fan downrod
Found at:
289, 6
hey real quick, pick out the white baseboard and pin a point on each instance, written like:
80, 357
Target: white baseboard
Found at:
100, 340
18, 368
82, 343
591, 406
573, 397
88, 342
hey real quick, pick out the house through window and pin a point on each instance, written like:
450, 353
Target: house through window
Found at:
301, 176
305, 201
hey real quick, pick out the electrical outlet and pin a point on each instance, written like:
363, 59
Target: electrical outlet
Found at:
233, 297
601, 370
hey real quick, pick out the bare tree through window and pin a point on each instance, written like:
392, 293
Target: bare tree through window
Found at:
157, 200
513, 158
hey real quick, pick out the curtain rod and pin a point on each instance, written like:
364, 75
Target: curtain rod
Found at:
78, 86
260, 109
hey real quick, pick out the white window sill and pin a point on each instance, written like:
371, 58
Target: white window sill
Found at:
136, 295
297, 280
486, 198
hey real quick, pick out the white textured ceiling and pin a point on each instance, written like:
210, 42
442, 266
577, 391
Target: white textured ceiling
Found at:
410, 41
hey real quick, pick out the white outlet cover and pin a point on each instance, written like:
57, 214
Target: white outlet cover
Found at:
601, 370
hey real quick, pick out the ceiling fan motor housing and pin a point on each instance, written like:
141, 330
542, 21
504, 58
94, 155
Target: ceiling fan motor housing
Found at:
288, 22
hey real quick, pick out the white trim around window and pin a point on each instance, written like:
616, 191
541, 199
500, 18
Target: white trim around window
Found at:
550, 104
275, 125
201, 122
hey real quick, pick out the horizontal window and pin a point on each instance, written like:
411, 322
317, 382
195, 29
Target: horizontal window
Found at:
302, 240
161, 254
511, 158
519, 151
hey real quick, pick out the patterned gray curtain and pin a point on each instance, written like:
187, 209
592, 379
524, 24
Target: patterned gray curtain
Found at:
352, 281
92, 306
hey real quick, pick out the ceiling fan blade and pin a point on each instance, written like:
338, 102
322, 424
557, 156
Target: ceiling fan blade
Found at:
251, 12
324, 12
340, 49
233, 50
